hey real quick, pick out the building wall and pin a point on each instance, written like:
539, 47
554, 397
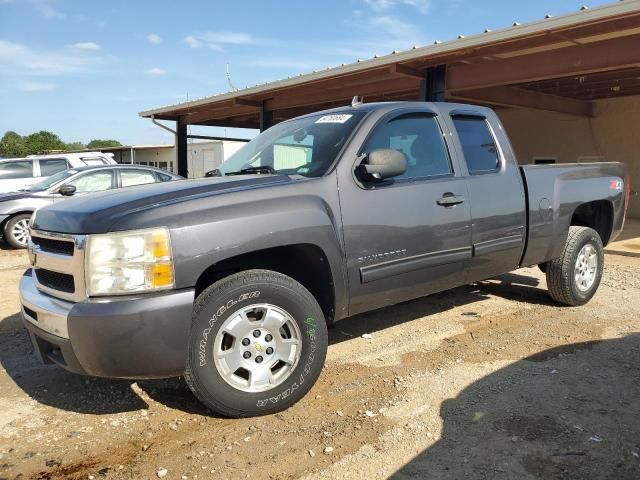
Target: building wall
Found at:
201, 156
205, 156
609, 136
617, 135
540, 134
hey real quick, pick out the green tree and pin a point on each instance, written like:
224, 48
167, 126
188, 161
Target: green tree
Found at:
75, 146
103, 144
12, 145
42, 142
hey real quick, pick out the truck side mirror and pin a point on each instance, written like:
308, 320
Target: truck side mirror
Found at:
382, 164
67, 190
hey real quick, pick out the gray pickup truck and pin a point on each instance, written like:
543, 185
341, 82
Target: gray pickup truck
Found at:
232, 281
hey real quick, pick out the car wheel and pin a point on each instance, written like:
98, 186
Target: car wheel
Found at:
16, 231
574, 277
257, 344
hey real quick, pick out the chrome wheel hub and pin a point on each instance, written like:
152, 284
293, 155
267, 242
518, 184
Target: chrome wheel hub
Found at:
21, 232
257, 348
586, 268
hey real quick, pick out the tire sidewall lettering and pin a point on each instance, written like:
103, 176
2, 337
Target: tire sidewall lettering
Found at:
220, 311
309, 328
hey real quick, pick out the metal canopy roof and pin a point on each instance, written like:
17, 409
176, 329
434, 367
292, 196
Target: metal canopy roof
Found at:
559, 63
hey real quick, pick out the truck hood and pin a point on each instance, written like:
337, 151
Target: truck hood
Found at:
97, 212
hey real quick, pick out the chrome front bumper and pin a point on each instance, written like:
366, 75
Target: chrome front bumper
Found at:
43, 311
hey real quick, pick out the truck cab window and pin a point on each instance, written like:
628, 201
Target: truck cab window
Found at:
419, 138
13, 170
51, 166
478, 146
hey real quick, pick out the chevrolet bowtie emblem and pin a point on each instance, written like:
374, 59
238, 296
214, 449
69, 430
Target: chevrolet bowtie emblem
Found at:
258, 347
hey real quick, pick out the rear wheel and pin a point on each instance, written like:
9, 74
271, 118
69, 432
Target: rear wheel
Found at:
574, 277
16, 231
257, 345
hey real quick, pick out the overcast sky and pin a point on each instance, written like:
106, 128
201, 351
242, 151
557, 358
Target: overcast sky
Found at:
84, 69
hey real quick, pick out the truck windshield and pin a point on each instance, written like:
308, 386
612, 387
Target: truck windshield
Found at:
304, 146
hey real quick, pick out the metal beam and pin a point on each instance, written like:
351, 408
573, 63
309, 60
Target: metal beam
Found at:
614, 54
181, 149
518, 97
227, 139
250, 124
433, 85
266, 117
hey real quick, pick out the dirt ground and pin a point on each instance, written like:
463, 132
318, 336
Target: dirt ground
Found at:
487, 381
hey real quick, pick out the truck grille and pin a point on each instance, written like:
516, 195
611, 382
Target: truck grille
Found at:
56, 280
61, 247
58, 261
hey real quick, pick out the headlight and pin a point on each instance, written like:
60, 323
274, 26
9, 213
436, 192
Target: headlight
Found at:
129, 262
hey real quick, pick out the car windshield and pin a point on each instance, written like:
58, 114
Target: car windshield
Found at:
305, 146
49, 182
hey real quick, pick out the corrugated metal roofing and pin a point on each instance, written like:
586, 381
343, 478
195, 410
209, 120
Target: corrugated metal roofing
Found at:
549, 23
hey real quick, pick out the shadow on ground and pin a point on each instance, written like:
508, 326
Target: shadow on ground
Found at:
511, 286
571, 412
51, 385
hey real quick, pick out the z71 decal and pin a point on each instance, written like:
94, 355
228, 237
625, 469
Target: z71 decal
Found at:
617, 185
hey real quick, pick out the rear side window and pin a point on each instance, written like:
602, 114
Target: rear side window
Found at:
130, 178
51, 166
478, 145
94, 161
18, 169
418, 137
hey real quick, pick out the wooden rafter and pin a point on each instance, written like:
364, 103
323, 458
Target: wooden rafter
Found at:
517, 97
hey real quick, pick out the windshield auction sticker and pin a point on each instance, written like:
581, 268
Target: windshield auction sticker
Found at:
334, 118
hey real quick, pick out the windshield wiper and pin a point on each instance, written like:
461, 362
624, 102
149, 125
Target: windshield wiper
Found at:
262, 170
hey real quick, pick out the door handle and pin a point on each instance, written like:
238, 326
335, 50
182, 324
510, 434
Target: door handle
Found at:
449, 200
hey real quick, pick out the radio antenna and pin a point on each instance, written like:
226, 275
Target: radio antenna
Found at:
228, 75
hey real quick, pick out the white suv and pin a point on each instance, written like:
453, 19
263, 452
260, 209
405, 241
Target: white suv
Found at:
20, 173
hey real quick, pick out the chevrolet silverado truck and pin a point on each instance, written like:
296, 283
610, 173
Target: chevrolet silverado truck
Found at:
232, 281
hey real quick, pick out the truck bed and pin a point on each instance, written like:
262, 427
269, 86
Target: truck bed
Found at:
555, 192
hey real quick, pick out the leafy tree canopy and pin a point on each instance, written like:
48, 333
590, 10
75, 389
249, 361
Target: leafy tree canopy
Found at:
13, 145
103, 144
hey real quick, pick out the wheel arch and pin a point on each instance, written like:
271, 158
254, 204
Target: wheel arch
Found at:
3, 224
306, 263
597, 214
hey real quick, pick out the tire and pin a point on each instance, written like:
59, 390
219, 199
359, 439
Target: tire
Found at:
574, 277
243, 315
14, 231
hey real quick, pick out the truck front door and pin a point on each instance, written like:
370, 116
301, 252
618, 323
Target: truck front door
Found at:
407, 236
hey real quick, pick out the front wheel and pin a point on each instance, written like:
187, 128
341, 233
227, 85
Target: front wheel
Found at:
16, 231
257, 345
574, 277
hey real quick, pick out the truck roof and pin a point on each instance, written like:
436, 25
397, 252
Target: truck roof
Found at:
390, 106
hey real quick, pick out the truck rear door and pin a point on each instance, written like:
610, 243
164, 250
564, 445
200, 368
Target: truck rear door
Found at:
496, 192
407, 236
